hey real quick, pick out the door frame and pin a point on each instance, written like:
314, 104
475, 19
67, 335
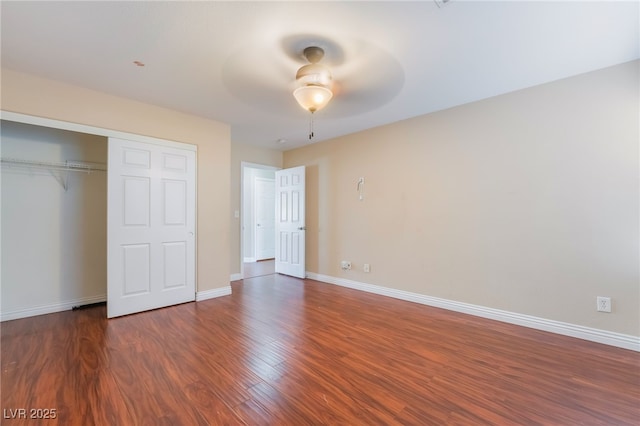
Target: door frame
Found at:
244, 165
83, 128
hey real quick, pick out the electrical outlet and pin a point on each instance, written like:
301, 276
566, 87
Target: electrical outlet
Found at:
603, 304
346, 265
366, 267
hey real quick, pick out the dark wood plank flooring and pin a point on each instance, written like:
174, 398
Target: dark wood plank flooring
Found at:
283, 351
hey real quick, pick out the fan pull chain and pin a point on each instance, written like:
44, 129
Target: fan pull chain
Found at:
311, 127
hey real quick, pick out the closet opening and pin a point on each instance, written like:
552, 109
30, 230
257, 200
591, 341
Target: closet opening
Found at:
53, 219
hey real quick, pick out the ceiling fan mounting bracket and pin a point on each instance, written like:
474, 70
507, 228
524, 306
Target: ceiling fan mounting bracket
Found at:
313, 54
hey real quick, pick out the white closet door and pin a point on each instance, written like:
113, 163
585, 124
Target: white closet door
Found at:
151, 226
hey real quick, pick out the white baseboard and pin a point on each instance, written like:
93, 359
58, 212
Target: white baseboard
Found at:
50, 309
572, 330
210, 294
235, 277
249, 260
68, 305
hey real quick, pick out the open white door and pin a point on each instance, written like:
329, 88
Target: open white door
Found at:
150, 226
290, 222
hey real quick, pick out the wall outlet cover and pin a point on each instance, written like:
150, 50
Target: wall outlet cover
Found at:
603, 304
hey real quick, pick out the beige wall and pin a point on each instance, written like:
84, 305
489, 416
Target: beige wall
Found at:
250, 154
27, 94
526, 202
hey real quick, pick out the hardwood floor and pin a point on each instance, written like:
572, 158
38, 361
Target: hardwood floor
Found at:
283, 351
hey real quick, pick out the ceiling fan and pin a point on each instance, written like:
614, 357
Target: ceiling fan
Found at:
313, 82
341, 79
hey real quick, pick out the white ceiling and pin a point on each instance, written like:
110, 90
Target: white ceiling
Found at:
235, 62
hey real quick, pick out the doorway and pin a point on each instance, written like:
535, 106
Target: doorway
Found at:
257, 228
54, 219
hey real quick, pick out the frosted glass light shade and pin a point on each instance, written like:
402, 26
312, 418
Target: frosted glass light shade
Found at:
314, 74
312, 98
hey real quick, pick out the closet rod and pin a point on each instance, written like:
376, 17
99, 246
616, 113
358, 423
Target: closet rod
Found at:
72, 166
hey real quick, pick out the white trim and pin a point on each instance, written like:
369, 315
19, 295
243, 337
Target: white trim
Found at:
235, 277
572, 330
250, 260
50, 309
82, 128
211, 294
65, 306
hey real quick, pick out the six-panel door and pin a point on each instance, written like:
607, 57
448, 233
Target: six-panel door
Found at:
290, 222
151, 226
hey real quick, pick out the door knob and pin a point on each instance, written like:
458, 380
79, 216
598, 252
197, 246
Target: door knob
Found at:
302, 228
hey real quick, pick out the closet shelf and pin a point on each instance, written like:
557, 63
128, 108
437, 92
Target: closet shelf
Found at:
52, 167
71, 166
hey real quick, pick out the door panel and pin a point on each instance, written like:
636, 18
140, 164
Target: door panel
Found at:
176, 163
136, 201
295, 248
175, 261
290, 227
284, 248
175, 202
284, 206
151, 226
135, 259
136, 157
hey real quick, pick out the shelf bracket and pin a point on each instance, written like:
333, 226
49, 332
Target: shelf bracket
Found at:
62, 177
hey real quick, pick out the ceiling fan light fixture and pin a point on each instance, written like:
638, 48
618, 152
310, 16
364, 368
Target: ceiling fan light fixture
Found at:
314, 74
314, 81
312, 97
